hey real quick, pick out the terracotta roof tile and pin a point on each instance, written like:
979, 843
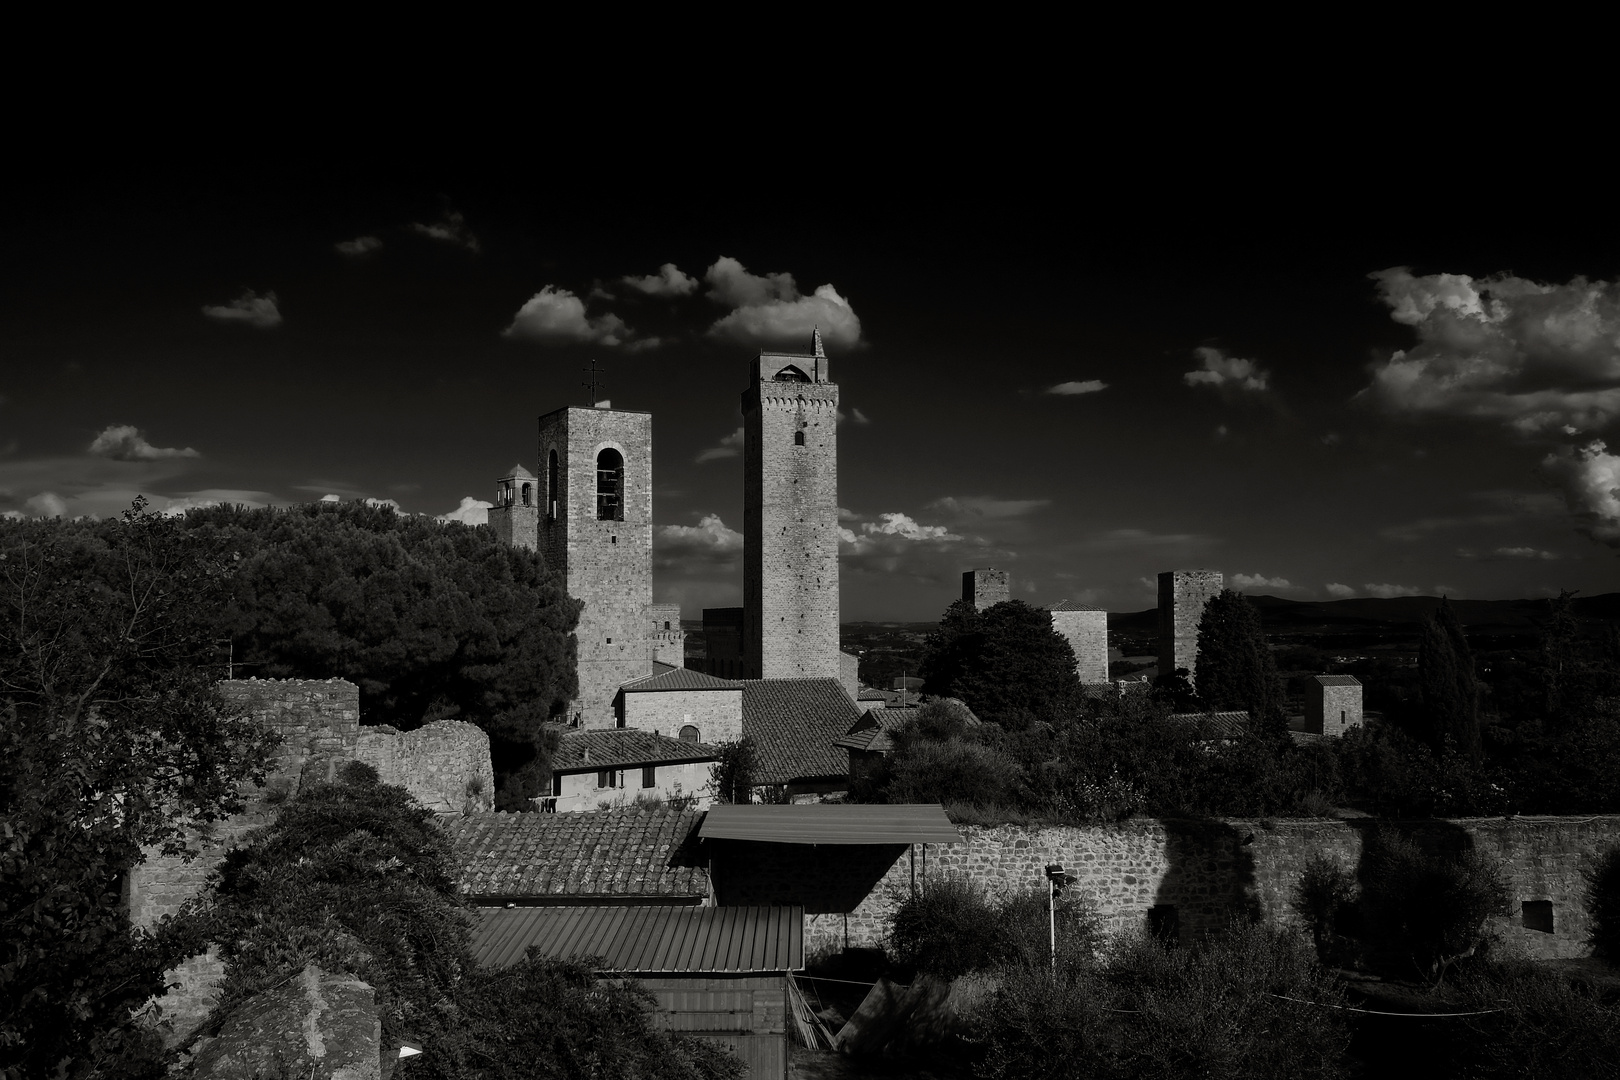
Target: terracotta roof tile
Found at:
1066, 605
1228, 725
597, 749
678, 679
793, 724
629, 852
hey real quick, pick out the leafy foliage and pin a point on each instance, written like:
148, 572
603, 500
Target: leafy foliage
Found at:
1424, 912
732, 777
1235, 668
949, 927
1534, 1022
1006, 662
1326, 897
1449, 686
112, 739
1603, 905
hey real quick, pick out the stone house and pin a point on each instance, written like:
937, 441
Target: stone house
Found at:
618, 766
685, 703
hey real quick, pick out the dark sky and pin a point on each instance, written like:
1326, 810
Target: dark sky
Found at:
1252, 399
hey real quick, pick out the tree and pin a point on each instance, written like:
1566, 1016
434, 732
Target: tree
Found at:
431, 620
1006, 662
1448, 684
1235, 668
112, 739
732, 777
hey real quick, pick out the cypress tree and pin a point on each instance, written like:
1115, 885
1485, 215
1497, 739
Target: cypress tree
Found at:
1235, 668
1447, 682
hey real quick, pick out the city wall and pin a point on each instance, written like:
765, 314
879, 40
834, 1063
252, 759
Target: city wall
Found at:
445, 765
1196, 875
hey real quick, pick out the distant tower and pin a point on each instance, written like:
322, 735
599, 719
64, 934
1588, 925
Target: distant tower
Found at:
1086, 629
515, 517
1182, 595
984, 588
597, 532
1332, 704
790, 517
667, 638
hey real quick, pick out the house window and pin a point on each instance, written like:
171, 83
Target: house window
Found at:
1537, 915
551, 485
649, 776
689, 733
610, 486
607, 778
556, 784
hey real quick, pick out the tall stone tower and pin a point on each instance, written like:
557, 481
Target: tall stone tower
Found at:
1182, 595
597, 531
790, 517
515, 517
985, 588
1086, 629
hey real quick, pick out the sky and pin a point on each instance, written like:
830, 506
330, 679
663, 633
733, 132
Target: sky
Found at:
1323, 371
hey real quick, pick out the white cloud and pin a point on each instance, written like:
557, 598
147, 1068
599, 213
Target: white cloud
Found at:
46, 504
1260, 581
555, 316
451, 229
1525, 553
855, 415
177, 505
669, 281
1226, 372
250, 308
1389, 592
123, 442
360, 245
769, 309
711, 543
1590, 476
983, 506
847, 515
903, 526
1089, 386
729, 447
471, 512
389, 503
330, 498
1340, 592
1539, 358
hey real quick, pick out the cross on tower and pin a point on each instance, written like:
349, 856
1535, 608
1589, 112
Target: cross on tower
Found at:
594, 384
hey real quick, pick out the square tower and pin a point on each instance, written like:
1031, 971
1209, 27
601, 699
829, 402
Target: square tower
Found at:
985, 588
667, 638
596, 530
515, 517
790, 517
1182, 596
1332, 704
1086, 629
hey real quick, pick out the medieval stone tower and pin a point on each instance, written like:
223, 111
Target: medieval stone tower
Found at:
1182, 596
985, 588
515, 517
596, 529
790, 517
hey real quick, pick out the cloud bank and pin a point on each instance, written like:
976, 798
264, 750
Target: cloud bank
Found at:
1228, 373
556, 316
471, 512
250, 309
668, 282
123, 442
450, 229
769, 309
1260, 581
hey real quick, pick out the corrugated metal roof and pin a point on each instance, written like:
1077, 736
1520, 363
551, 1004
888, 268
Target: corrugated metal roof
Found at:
647, 939
820, 823
678, 679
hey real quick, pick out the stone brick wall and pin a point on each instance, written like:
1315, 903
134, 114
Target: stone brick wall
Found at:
790, 522
1087, 632
847, 891
1182, 595
985, 588
579, 791
515, 517
606, 564
665, 634
446, 766
717, 714
1208, 871
1331, 710
849, 674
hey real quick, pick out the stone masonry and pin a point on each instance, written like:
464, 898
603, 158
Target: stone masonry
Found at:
1182, 595
1086, 629
985, 588
790, 517
605, 561
665, 634
716, 713
1332, 704
1203, 873
515, 517
445, 765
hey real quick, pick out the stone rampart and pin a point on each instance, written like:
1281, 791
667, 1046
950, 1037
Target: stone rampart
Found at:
1199, 874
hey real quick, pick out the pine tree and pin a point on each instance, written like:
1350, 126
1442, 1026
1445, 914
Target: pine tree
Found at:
1447, 682
1235, 668
1006, 662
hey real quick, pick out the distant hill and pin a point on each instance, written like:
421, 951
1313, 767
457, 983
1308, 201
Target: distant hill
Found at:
1400, 613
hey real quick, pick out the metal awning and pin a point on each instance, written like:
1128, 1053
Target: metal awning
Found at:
817, 823
647, 939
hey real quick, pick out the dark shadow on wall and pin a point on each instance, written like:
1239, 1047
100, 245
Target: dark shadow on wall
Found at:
824, 879
1209, 880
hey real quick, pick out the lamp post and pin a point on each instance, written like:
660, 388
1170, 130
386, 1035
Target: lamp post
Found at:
1057, 879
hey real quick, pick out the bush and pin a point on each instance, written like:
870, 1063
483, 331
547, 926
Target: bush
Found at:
1603, 905
1423, 912
1219, 1009
1536, 1022
950, 928
1326, 897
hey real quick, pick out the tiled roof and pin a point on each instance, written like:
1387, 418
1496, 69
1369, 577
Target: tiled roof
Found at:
518, 472
793, 723
1066, 605
629, 852
1229, 725
678, 679
869, 694
596, 749
873, 739
1338, 680
661, 668
1305, 738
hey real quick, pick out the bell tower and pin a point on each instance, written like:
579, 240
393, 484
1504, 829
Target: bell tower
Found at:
790, 516
515, 517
